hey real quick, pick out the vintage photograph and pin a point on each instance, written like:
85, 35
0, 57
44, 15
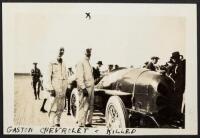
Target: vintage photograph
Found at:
102, 69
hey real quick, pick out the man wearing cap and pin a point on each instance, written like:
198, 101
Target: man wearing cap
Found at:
110, 68
96, 72
116, 67
70, 72
85, 85
57, 85
179, 78
152, 64
36, 83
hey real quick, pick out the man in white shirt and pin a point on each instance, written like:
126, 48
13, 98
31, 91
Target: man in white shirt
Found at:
85, 85
57, 85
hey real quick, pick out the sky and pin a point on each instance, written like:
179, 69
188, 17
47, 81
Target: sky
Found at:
117, 33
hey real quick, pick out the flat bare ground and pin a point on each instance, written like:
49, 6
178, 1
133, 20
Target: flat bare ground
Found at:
27, 109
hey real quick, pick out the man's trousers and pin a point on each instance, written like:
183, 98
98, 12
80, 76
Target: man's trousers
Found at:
86, 107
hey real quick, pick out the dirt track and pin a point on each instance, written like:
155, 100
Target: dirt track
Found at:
27, 109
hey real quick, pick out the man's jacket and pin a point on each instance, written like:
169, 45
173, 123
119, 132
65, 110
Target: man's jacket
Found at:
57, 78
84, 75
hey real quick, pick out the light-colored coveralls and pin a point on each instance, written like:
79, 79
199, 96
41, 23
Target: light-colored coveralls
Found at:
57, 80
84, 77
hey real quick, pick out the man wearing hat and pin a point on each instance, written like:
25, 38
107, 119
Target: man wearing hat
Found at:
110, 68
70, 71
57, 85
152, 64
170, 68
179, 78
85, 85
36, 74
96, 72
116, 67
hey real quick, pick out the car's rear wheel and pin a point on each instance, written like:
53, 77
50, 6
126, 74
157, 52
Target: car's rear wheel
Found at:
74, 103
116, 113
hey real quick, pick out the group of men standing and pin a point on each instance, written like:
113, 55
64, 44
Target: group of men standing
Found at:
86, 78
57, 84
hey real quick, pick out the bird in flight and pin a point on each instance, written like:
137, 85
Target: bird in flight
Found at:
88, 15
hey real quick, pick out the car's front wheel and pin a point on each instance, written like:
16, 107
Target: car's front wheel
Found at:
116, 113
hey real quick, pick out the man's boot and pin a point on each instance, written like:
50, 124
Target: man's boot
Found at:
42, 108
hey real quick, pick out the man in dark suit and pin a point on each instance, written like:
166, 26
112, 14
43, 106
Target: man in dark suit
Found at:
179, 78
152, 64
96, 72
36, 83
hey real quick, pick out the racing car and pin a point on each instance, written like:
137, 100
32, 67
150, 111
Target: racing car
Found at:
135, 98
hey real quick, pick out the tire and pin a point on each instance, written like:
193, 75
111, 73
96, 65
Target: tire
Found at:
116, 113
74, 102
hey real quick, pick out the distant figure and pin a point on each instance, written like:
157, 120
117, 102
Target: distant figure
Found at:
70, 72
36, 83
131, 66
88, 15
145, 64
110, 68
69, 90
96, 72
116, 67
152, 64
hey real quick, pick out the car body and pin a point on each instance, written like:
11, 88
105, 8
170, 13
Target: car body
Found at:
131, 97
